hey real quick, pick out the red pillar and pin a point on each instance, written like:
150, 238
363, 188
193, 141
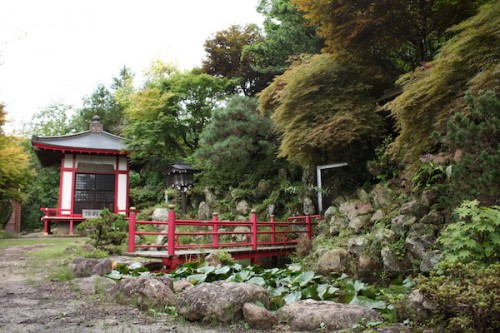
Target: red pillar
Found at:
253, 220
171, 231
308, 227
273, 229
45, 221
215, 230
131, 230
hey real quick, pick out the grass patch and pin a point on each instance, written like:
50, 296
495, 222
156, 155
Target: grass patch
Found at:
10, 242
48, 257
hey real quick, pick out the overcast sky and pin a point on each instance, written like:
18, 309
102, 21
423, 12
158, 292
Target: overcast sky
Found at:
53, 50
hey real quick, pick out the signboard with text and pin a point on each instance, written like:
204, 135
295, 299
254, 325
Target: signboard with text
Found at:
91, 213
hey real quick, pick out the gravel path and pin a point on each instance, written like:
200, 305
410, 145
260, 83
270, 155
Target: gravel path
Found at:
29, 302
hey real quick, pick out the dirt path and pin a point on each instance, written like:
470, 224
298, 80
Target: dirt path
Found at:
32, 303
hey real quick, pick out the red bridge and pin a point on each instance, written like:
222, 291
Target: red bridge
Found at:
187, 240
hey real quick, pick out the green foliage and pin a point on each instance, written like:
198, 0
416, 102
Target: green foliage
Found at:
107, 231
466, 299
51, 120
198, 95
238, 145
147, 187
15, 171
383, 167
133, 270
107, 103
287, 285
434, 91
474, 237
225, 57
224, 257
477, 134
429, 174
324, 111
286, 35
402, 34
166, 117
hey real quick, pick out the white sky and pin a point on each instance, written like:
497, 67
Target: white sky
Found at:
53, 50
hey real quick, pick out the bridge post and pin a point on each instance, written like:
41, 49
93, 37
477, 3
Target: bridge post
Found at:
131, 230
171, 231
308, 227
253, 220
215, 229
273, 229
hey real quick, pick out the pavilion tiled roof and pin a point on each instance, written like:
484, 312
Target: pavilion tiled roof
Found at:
93, 141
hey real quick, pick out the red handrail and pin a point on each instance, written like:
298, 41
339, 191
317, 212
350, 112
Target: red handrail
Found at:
304, 223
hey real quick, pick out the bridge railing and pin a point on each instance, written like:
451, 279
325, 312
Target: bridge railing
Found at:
214, 234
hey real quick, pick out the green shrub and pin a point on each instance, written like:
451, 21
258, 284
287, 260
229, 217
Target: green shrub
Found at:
107, 232
466, 299
476, 133
474, 237
224, 257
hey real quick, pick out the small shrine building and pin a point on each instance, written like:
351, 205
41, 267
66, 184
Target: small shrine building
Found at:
94, 174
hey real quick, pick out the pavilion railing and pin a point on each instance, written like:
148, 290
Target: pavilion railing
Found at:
213, 234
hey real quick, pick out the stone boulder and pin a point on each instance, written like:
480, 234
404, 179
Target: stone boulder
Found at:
381, 196
181, 285
377, 216
329, 213
160, 214
221, 301
83, 267
335, 260
210, 198
308, 206
308, 315
360, 223
241, 237
259, 317
368, 267
354, 208
338, 222
145, 292
393, 262
433, 217
94, 284
356, 245
204, 212
243, 207
401, 223
429, 260
413, 208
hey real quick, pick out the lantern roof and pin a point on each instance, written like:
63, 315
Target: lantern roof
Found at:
179, 167
49, 149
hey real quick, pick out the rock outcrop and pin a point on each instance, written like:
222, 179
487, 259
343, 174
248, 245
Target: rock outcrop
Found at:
83, 267
309, 315
220, 301
145, 292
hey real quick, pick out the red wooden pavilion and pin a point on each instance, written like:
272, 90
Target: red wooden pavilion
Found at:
94, 174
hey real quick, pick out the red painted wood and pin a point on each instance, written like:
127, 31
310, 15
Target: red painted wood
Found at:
215, 230
297, 225
253, 220
131, 231
80, 150
171, 231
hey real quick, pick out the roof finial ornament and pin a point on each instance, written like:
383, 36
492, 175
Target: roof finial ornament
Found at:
95, 125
